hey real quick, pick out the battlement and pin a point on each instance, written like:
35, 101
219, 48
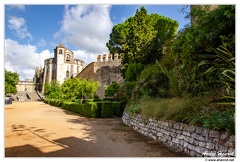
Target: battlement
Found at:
109, 57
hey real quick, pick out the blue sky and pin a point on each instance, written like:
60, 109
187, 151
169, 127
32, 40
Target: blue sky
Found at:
33, 31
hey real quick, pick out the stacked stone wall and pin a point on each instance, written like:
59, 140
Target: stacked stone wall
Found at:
192, 140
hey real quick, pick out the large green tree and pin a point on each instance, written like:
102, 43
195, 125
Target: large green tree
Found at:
142, 38
52, 90
11, 80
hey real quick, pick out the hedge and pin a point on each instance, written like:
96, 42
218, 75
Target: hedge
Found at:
107, 110
99, 109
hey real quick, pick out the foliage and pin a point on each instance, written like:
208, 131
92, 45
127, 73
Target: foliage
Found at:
133, 107
218, 120
141, 38
71, 89
52, 90
11, 80
79, 88
152, 82
222, 65
112, 89
107, 109
133, 71
125, 91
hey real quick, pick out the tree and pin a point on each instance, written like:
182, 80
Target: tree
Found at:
52, 90
133, 71
71, 89
11, 80
91, 88
141, 38
112, 89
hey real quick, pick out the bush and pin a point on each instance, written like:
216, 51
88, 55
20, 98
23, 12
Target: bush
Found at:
118, 108
125, 92
133, 71
218, 120
152, 82
87, 100
107, 110
92, 110
112, 89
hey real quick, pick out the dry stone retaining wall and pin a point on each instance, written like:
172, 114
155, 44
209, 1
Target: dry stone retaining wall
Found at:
191, 140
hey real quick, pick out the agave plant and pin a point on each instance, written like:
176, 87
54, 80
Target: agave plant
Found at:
222, 63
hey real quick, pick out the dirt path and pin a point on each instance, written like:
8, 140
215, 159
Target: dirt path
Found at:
35, 129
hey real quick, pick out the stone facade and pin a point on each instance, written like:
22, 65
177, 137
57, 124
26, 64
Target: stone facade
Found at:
106, 70
27, 86
182, 138
59, 68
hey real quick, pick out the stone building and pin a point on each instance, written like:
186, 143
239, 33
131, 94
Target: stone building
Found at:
106, 70
59, 68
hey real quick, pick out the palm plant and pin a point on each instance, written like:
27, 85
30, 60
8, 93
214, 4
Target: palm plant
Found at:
222, 64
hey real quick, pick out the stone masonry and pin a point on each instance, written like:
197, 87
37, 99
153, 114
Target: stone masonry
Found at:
182, 138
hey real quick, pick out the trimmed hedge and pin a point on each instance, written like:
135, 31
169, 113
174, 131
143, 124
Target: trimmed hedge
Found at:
107, 110
99, 109
118, 108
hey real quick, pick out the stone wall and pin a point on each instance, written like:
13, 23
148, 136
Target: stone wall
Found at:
182, 138
106, 70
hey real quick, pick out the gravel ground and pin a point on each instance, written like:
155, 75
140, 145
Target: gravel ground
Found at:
35, 129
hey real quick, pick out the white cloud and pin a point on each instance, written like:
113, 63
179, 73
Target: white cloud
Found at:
19, 26
19, 7
41, 42
87, 57
23, 59
87, 27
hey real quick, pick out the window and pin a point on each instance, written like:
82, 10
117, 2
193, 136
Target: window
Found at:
67, 74
60, 51
68, 58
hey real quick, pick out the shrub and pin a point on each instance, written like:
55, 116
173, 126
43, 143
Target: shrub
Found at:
107, 110
218, 120
87, 100
112, 89
133, 71
118, 108
152, 82
91, 110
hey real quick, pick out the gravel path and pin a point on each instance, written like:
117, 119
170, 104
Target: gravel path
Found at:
35, 129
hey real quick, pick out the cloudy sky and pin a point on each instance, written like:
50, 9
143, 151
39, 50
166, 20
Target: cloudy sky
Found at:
33, 31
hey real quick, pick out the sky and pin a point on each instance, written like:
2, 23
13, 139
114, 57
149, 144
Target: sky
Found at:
33, 31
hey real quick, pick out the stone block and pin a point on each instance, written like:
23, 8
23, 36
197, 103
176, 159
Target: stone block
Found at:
176, 125
179, 136
189, 140
173, 134
177, 147
183, 127
175, 140
159, 134
215, 140
210, 146
224, 136
199, 130
200, 150
186, 133
196, 142
193, 154
214, 134
197, 136
179, 131
191, 129
202, 144
205, 133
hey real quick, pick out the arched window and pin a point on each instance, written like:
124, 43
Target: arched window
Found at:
60, 51
68, 58
67, 74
